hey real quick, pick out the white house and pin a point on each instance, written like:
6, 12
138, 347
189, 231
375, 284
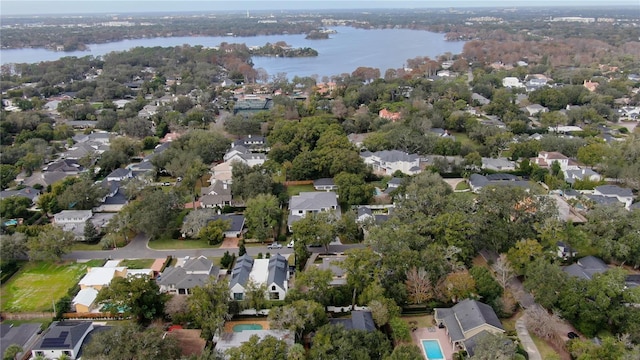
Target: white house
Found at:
324, 184
581, 174
511, 82
546, 159
250, 159
120, 174
312, 202
273, 273
387, 162
72, 220
62, 338
623, 195
186, 275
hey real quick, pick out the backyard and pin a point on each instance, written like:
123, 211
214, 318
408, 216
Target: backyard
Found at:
38, 285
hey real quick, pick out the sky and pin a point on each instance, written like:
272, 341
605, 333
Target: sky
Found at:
39, 7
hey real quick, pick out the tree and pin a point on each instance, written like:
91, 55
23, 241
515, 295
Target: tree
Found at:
11, 351
315, 284
90, 232
7, 174
129, 341
488, 288
263, 215
15, 207
523, 253
543, 280
13, 247
315, 229
138, 295
405, 352
195, 221
361, 266
81, 195
154, 213
419, 286
268, 348
50, 244
457, 286
254, 296
248, 182
336, 342
209, 307
352, 189
491, 346
503, 269
300, 317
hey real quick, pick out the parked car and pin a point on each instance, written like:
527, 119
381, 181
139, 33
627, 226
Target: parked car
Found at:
274, 245
572, 335
290, 244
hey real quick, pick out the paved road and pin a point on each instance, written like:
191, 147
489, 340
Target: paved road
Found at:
138, 249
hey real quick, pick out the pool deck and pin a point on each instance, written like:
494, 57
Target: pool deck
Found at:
433, 333
228, 326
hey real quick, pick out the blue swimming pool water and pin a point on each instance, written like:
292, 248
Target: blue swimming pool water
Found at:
432, 349
242, 327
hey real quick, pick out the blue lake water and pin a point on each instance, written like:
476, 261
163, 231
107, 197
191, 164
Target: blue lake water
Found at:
342, 53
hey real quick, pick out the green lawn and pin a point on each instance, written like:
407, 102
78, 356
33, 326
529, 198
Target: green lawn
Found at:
168, 244
297, 189
39, 284
546, 351
137, 263
83, 246
462, 186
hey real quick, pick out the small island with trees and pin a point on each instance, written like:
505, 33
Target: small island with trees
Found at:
282, 49
318, 35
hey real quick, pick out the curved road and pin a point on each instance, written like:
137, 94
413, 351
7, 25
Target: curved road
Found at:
138, 249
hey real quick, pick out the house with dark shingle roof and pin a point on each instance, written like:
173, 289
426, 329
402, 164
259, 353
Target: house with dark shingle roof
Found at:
586, 267
359, 320
119, 175
623, 195
27, 192
325, 184
186, 275
236, 224
387, 162
312, 202
62, 338
278, 272
240, 276
467, 319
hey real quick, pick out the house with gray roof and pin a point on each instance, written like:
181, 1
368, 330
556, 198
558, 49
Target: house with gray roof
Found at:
499, 164
479, 99
236, 224
387, 162
67, 166
253, 143
582, 174
359, 320
44, 178
466, 319
272, 273
278, 274
73, 221
240, 276
623, 195
477, 182
325, 184
332, 262
186, 275
218, 194
120, 174
27, 192
312, 202
24, 335
603, 200
62, 338
586, 267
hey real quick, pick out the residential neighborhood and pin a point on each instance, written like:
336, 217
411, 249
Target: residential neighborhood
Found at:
175, 202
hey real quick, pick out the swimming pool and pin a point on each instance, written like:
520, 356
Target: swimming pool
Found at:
432, 349
242, 327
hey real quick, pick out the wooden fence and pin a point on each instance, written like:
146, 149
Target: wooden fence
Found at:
27, 315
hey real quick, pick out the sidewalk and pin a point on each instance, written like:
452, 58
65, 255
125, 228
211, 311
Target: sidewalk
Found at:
525, 339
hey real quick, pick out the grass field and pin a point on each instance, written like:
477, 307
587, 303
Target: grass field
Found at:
137, 263
39, 284
297, 189
168, 244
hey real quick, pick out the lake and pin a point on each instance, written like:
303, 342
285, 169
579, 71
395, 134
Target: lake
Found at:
343, 52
